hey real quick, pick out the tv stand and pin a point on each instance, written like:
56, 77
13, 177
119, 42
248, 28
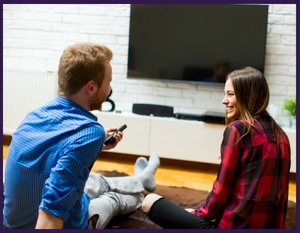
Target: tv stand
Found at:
170, 138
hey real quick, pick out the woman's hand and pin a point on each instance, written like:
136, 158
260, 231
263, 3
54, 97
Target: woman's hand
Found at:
118, 137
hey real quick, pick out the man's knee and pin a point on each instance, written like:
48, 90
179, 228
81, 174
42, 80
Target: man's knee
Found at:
149, 200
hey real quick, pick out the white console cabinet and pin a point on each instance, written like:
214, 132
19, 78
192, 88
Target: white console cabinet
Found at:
172, 138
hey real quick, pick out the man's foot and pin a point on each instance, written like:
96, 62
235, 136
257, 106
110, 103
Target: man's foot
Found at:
140, 164
146, 176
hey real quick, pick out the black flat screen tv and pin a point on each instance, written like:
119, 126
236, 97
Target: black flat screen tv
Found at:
198, 43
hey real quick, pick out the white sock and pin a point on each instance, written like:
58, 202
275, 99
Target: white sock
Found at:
140, 164
146, 176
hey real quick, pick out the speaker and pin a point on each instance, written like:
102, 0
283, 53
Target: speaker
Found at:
153, 109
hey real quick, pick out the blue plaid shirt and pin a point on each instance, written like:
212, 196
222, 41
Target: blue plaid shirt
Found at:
48, 163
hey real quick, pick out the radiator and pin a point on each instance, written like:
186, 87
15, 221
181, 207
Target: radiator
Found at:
23, 91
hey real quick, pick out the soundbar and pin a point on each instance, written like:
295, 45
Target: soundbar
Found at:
188, 116
207, 117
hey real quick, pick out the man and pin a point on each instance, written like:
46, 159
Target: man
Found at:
48, 184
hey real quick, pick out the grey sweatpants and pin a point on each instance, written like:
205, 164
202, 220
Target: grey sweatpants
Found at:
112, 196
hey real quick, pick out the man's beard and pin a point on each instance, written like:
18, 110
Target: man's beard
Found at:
95, 102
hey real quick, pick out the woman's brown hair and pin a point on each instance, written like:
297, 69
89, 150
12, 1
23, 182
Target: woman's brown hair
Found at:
252, 94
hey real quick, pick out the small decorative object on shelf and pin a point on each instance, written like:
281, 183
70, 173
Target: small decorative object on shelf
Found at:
108, 102
290, 106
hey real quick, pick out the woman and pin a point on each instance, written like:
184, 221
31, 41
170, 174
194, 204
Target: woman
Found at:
251, 188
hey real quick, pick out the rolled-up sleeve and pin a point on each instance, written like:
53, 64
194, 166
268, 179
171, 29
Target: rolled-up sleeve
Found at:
63, 190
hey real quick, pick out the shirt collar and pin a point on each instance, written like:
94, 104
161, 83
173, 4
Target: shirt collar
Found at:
70, 104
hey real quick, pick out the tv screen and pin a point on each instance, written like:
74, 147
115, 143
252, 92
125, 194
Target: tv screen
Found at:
195, 42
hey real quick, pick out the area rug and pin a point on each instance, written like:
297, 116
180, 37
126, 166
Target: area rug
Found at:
185, 197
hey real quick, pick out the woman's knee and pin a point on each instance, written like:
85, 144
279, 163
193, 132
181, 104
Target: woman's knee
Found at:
149, 200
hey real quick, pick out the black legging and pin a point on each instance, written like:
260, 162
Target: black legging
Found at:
171, 216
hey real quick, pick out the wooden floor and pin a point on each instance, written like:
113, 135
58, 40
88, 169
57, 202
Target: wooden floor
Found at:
173, 173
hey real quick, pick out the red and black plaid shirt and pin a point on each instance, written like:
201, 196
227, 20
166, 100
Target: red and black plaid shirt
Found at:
251, 189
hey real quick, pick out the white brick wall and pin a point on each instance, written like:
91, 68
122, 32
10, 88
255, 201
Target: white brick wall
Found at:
35, 36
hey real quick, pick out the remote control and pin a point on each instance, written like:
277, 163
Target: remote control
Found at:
110, 138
